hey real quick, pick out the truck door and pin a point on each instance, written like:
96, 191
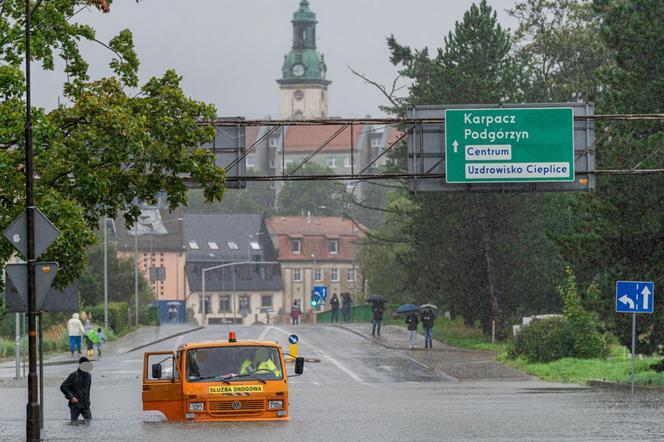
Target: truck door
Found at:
162, 385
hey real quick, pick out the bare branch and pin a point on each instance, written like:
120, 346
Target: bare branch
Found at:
388, 94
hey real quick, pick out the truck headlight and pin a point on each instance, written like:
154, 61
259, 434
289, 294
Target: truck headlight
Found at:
196, 406
274, 405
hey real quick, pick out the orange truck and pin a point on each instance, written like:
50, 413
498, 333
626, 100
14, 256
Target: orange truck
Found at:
218, 381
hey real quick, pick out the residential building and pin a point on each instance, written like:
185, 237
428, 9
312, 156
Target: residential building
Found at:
236, 291
315, 251
156, 240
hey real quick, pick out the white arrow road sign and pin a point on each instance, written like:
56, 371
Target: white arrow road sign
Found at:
646, 294
456, 146
627, 300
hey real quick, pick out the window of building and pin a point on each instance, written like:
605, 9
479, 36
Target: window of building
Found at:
289, 163
254, 245
318, 274
333, 246
273, 164
266, 300
208, 307
273, 142
334, 274
251, 163
213, 245
350, 275
297, 246
347, 162
331, 162
376, 141
297, 275
232, 245
224, 303
193, 245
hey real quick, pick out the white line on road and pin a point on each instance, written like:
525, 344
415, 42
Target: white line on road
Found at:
442, 373
178, 342
341, 367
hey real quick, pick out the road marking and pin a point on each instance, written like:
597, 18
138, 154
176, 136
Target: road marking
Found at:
265, 331
385, 367
131, 361
341, 367
178, 342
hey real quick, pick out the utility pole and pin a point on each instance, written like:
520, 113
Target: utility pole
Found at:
136, 269
105, 274
33, 432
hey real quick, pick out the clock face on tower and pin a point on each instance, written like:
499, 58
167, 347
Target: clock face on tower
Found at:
298, 70
298, 94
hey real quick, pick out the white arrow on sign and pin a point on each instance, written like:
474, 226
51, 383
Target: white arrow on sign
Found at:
456, 146
646, 293
627, 300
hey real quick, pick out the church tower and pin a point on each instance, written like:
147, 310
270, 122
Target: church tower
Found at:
303, 84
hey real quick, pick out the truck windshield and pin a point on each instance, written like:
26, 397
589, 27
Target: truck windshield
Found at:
233, 364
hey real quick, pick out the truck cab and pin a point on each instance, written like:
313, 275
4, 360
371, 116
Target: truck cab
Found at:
218, 381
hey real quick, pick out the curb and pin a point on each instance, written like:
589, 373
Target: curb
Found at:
368, 338
617, 385
162, 339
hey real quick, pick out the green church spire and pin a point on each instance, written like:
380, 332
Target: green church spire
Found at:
303, 64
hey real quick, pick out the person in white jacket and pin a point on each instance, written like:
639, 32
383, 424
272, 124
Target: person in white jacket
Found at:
76, 330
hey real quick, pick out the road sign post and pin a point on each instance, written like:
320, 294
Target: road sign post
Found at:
504, 145
634, 297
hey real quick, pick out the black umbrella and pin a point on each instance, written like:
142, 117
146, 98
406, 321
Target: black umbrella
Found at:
376, 298
407, 308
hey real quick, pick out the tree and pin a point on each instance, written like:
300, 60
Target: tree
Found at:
618, 234
470, 251
120, 279
113, 143
559, 50
320, 197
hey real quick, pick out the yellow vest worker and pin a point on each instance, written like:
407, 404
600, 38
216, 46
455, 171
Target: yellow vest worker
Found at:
261, 362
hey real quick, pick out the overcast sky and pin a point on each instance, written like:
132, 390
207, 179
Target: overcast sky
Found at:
230, 52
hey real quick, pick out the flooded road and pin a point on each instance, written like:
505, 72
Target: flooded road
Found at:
358, 391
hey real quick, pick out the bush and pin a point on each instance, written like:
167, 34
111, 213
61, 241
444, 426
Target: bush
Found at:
118, 317
543, 340
576, 335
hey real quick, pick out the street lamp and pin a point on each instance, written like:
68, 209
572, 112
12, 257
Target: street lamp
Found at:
313, 277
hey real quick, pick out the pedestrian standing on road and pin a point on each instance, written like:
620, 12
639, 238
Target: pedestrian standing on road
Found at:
346, 306
377, 310
88, 325
295, 314
334, 305
100, 343
428, 316
411, 321
76, 389
75, 330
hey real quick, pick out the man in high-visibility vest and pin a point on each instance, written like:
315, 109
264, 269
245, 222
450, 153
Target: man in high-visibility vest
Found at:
261, 362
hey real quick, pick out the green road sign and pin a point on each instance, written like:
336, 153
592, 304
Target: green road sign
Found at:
505, 145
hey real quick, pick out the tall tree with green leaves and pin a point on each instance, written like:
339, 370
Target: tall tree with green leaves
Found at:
558, 49
619, 232
470, 251
112, 143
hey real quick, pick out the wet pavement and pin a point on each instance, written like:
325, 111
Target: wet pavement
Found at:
359, 391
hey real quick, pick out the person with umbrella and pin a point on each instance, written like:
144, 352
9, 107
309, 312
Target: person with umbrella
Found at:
411, 322
428, 316
377, 310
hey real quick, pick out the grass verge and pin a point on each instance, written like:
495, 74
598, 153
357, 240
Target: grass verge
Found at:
578, 371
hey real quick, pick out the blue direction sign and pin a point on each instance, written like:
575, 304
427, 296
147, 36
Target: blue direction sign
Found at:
635, 296
320, 292
293, 339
